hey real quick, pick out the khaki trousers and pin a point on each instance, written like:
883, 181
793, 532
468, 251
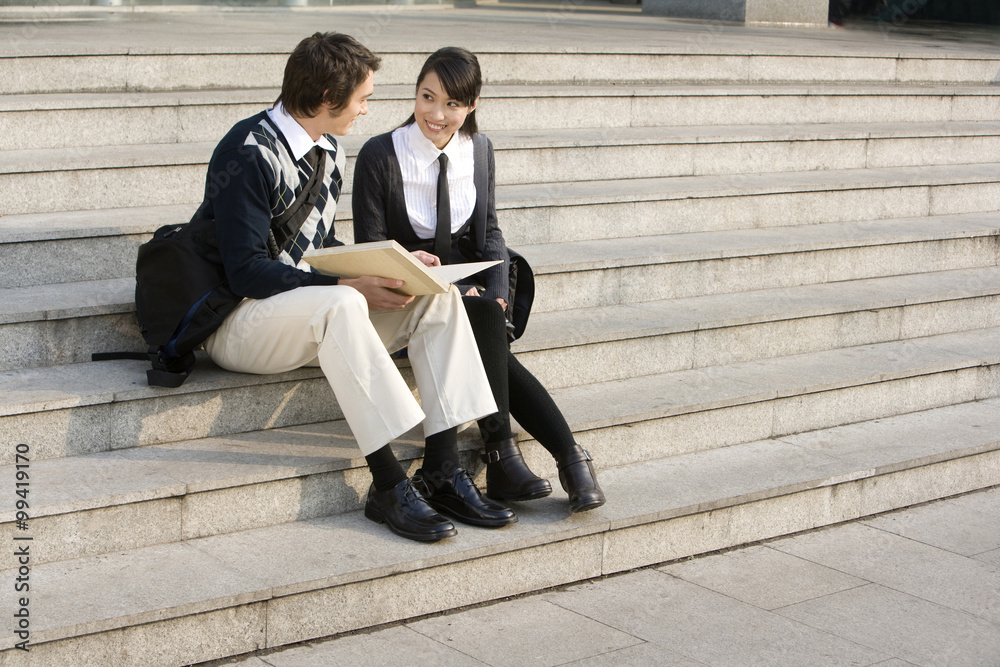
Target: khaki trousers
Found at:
330, 326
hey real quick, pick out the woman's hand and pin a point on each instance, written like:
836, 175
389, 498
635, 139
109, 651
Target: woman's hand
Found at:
474, 291
427, 258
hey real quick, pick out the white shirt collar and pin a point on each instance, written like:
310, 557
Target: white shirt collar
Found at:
425, 152
298, 139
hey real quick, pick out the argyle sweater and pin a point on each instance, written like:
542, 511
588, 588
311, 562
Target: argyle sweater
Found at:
252, 177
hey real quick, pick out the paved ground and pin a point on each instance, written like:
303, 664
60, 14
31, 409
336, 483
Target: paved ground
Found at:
578, 25
919, 586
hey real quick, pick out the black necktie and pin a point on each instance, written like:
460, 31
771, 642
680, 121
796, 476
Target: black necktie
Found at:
442, 236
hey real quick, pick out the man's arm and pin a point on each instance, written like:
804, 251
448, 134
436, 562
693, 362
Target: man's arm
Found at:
243, 183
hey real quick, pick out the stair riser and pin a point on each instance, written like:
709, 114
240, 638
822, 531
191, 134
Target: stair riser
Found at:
70, 260
622, 359
529, 223
92, 189
94, 257
249, 624
727, 425
655, 282
654, 161
171, 416
776, 109
544, 220
57, 342
138, 72
184, 122
121, 126
257, 504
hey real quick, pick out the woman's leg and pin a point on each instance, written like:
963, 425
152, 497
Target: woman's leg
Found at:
488, 323
507, 475
533, 408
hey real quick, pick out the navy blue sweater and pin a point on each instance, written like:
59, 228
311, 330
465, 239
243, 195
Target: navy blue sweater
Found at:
252, 177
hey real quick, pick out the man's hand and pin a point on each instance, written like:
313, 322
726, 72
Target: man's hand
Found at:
427, 258
377, 292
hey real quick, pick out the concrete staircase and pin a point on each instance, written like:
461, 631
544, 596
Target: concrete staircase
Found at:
768, 300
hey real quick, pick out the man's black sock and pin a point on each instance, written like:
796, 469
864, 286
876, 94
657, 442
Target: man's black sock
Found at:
441, 451
385, 469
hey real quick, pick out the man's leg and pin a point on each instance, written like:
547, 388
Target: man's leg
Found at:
444, 357
329, 325
453, 390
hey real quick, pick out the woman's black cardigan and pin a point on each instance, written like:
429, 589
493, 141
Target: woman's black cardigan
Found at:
379, 207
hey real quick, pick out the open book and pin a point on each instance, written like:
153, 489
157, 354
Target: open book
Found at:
388, 259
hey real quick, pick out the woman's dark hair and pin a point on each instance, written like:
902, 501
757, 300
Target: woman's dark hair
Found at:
458, 70
326, 67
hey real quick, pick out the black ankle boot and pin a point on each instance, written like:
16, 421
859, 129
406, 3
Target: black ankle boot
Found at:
576, 474
508, 476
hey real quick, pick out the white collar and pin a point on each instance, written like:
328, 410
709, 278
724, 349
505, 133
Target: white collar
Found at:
425, 152
298, 139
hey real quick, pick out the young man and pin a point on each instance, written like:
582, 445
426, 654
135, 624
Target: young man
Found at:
293, 317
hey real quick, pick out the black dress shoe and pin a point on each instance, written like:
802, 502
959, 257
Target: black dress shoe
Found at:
407, 513
508, 476
456, 495
576, 474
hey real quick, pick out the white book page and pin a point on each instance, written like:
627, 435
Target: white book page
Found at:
453, 272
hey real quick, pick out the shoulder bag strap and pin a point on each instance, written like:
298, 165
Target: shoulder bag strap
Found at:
290, 221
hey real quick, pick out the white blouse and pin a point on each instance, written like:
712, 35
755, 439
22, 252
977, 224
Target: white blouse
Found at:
418, 163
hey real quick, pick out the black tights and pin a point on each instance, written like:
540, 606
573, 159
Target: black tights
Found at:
516, 391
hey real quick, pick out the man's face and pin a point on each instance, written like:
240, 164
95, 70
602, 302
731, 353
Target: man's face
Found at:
339, 122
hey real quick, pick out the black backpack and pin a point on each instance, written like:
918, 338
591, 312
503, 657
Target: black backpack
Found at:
181, 292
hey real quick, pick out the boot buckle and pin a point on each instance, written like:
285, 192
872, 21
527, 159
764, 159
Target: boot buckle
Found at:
492, 456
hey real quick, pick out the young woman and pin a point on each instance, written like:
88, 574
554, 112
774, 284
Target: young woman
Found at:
416, 185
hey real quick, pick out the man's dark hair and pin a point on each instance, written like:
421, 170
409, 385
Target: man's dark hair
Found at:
326, 67
458, 70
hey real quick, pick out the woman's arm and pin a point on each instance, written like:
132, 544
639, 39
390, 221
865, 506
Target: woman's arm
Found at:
368, 201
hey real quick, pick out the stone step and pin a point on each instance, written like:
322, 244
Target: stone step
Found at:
29, 122
93, 407
63, 323
203, 115
538, 213
103, 67
212, 597
192, 488
529, 157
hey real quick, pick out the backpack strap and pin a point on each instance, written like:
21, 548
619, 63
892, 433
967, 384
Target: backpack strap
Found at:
162, 374
480, 157
288, 224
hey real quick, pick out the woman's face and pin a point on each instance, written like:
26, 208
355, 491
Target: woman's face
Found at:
438, 116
